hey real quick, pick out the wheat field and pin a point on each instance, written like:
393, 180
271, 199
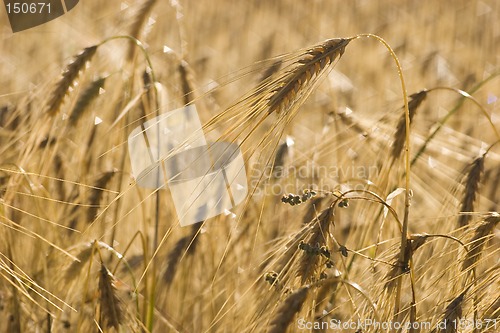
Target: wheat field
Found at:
370, 141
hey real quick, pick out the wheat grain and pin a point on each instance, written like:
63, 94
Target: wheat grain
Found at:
313, 209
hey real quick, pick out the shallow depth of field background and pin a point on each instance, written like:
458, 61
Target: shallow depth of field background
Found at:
64, 186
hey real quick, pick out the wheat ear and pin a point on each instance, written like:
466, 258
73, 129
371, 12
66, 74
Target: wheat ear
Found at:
83, 102
399, 138
138, 23
285, 313
97, 193
309, 261
309, 66
452, 314
471, 187
479, 239
69, 77
76, 266
111, 314
186, 74
185, 244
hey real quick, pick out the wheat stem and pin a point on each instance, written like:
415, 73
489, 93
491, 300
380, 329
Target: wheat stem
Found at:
139, 44
407, 164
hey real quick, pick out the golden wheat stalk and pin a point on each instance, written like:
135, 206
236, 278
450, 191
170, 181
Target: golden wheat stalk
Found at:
309, 262
138, 23
414, 242
478, 240
111, 314
187, 245
452, 314
493, 310
287, 311
68, 79
97, 194
76, 266
472, 182
400, 135
311, 65
83, 102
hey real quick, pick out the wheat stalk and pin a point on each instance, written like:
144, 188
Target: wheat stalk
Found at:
287, 311
83, 102
478, 240
138, 23
471, 187
308, 67
309, 261
185, 244
493, 310
69, 77
400, 135
452, 314
76, 266
111, 313
97, 194
414, 242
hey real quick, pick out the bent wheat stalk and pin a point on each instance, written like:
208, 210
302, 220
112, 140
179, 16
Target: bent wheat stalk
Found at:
68, 79
311, 65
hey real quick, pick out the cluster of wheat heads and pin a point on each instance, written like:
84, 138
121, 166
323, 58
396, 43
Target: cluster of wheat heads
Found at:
86, 249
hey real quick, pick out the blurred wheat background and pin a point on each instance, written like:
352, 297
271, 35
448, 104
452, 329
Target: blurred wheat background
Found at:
319, 240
